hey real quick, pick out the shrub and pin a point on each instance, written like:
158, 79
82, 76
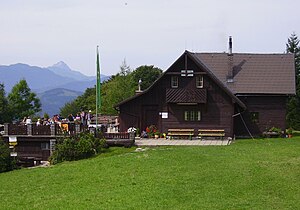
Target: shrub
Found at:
7, 163
83, 145
275, 130
289, 131
272, 132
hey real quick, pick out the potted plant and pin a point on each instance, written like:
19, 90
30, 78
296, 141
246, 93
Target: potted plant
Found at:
151, 130
156, 134
138, 132
289, 132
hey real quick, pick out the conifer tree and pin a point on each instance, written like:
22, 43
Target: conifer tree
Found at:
293, 105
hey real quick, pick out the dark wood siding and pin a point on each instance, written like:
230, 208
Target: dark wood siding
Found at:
271, 111
219, 107
32, 147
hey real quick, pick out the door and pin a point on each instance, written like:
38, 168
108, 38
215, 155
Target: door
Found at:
150, 116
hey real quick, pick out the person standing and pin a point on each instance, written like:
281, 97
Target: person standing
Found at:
38, 123
71, 118
82, 116
28, 121
89, 117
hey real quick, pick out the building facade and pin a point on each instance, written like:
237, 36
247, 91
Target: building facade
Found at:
244, 94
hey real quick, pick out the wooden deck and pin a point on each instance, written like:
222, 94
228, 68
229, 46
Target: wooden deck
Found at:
38, 142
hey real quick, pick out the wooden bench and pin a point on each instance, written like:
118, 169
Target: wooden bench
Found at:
211, 133
182, 132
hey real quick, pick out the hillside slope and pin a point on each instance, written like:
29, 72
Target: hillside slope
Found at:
53, 100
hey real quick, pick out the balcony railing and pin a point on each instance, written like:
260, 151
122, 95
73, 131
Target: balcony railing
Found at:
183, 95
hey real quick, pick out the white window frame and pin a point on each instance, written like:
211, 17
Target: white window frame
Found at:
174, 81
199, 81
192, 116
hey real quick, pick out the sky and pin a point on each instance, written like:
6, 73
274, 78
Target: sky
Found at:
147, 32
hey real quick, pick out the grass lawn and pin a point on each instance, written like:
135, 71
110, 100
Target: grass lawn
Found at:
249, 174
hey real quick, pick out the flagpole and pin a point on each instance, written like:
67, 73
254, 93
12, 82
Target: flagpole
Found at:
97, 89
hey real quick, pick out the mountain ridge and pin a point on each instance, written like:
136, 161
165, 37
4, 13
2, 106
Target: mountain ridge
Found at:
62, 69
42, 79
52, 87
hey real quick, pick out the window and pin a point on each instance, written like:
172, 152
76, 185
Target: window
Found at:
254, 117
45, 146
174, 82
186, 116
192, 115
199, 81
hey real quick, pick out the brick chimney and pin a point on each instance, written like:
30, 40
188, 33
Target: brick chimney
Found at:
230, 62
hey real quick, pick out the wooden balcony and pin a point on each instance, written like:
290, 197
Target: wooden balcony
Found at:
182, 95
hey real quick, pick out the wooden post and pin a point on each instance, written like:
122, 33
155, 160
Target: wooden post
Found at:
77, 128
92, 131
52, 129
6, 129
52, 146
132, 136
29, 129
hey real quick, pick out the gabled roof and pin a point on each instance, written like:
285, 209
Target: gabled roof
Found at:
215, 78
201, 65
254, 73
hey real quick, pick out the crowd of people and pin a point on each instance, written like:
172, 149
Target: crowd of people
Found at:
82, 117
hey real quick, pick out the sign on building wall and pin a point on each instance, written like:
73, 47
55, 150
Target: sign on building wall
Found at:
12, 139
13, 154
164, 115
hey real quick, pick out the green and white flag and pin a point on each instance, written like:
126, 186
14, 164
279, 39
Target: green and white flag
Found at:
98, 88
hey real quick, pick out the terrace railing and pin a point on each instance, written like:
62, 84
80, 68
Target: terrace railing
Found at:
120, 135
43, 130
57, 130
15, 129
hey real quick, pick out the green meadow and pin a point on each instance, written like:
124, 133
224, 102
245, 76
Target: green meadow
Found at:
248, 174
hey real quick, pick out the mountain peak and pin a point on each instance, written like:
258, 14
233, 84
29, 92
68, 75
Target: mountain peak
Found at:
61, 65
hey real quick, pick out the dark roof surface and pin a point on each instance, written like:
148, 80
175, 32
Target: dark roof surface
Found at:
198, 62
254, 73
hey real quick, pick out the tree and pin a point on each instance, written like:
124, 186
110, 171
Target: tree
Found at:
148, 74
124, 69
7, 163
70, 108
4, 115
293, 105
22, 102
83, 102
293, 47
293, 110
118, 88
